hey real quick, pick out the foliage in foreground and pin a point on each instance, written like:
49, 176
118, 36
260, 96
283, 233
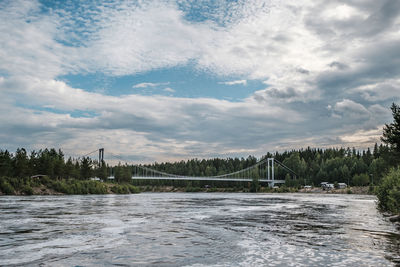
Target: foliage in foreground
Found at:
12, 186
391, 134
388, 192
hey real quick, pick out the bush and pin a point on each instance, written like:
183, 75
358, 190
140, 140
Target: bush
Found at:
388, 192
27, 190
16, 183
6, 187
120, 189
349, 191
133, 189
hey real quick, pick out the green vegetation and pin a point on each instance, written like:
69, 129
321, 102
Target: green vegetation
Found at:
361, 179
388, 192
391, 135
45, 185
124, 189
313, 166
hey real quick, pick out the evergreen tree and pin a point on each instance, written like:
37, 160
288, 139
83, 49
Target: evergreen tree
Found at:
69, 169
101, 172
6, 168
86, 168
391, 134
21, 163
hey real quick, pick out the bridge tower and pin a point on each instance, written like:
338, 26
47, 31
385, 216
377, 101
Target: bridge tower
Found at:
270, 172
101, 156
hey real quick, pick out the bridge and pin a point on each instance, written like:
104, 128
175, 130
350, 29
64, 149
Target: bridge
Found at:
263, 171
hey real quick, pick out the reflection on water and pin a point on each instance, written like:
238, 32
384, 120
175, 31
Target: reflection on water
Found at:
200, 229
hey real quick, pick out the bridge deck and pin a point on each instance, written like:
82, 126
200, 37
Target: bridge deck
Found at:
200, 178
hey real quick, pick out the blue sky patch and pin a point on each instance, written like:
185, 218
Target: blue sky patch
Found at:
179, 82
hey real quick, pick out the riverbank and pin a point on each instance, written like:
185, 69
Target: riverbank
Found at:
46, 186
359, 190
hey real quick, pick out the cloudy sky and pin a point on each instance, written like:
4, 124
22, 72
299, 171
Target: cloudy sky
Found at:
171, 80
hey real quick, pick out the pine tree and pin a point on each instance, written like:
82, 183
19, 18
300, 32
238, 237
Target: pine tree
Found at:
86, 167
391, 134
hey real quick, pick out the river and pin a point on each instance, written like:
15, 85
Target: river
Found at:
196, 229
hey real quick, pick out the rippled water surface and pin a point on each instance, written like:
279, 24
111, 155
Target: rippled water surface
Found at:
199, 229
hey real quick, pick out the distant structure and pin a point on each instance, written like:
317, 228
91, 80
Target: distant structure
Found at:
101, 156
262, 171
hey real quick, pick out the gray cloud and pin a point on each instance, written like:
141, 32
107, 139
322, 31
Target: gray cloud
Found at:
286, 93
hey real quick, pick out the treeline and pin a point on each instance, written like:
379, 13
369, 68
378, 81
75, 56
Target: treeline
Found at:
312, 165
49, 162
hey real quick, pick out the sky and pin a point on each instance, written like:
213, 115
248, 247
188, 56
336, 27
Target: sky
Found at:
173, 80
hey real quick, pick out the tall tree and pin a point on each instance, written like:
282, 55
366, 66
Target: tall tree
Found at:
391, 134
6, 168
86, 167
21, 163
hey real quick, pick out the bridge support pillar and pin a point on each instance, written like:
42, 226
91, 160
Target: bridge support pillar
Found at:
101, 156
270, 172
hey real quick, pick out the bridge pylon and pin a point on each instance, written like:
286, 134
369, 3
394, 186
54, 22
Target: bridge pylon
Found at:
101, 156
270, 172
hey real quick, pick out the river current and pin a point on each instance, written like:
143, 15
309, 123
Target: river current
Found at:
196, 229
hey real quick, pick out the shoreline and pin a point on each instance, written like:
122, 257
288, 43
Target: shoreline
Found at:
110, 189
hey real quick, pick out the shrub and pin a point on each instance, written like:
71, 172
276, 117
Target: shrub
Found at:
16, 183
349, 191
133, 189
6, 188
27, 190
388, 192
120, 189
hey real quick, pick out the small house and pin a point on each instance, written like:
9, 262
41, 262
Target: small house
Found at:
342, 185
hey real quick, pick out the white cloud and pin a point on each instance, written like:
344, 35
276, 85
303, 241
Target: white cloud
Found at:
351, 108
242, 82
144, 85
168, 89
343, 12
361, 138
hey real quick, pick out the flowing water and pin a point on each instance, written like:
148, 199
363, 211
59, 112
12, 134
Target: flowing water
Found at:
196, 229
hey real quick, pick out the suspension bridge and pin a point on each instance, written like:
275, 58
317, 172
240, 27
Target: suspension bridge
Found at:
264, 171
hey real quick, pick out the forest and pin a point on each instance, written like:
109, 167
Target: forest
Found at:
313, 166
